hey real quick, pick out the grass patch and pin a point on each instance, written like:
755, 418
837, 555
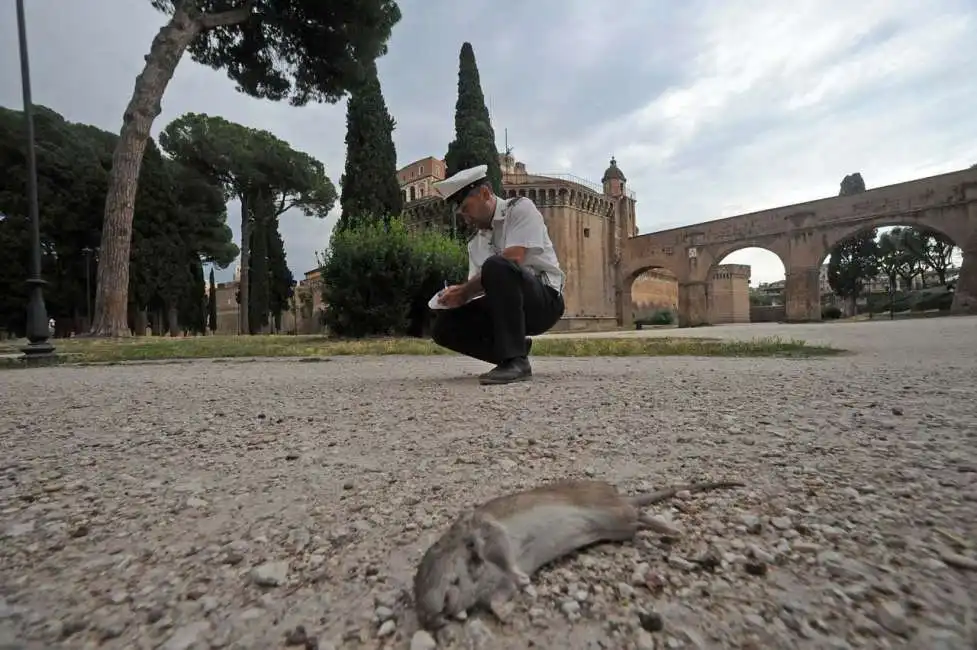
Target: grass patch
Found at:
83, 350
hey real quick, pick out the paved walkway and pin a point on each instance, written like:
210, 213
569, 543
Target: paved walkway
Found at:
220, 504
864, 336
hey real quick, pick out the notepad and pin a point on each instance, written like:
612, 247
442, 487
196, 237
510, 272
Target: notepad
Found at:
434, 304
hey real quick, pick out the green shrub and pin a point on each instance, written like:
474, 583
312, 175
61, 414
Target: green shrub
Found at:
377, 278
831, 312
934, 298
661, 317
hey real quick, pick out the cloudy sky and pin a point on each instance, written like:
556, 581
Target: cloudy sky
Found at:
712, 108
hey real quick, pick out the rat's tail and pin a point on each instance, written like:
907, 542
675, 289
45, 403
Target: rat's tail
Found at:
648, 498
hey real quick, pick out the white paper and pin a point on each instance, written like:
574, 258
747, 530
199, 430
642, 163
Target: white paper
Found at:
434, 304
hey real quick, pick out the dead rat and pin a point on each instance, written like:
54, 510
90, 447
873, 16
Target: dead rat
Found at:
491, 550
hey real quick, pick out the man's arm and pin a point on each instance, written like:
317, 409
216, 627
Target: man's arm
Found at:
474, 284
523, 231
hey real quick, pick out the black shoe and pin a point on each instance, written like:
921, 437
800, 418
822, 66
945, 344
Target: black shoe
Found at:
517, 369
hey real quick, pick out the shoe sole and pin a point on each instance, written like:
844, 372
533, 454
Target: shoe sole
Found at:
496, 382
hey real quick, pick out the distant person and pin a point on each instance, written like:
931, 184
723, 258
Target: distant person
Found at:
515, 284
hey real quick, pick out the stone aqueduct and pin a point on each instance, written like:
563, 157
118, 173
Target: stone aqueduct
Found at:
802, 235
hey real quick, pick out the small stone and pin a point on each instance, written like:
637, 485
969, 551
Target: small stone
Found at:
384, 614
651, 621
387, 628
832, 533
851, 492
111, 628
781, 523
196, 502
755, 568
624, 590
422, 640
79, 531
892, 617
251, 614
187, 636
680, 563
71, 626
270, 574
806, 547
570, 607
760, 554
640, 571
154, 614
896, 410
752, 523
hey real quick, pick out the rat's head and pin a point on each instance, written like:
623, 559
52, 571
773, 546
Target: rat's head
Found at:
446, 582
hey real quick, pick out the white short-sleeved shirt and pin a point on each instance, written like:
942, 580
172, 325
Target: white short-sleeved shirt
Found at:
517, 222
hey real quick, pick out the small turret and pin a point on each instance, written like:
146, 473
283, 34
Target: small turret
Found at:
507, 162
613, 180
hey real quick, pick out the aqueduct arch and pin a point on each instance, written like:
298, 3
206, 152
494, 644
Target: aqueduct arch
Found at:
803, 234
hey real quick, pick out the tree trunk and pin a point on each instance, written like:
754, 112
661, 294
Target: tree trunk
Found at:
112, 288
141, 321
243, 277
173, 321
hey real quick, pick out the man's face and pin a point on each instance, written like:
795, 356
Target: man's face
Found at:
476, 207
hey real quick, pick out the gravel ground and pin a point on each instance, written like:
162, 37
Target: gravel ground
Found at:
223, 504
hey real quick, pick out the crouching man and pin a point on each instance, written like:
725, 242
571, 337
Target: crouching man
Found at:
515, 284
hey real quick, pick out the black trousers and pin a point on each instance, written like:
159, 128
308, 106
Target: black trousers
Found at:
494, 328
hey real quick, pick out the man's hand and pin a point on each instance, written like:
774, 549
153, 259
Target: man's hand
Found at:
453, 296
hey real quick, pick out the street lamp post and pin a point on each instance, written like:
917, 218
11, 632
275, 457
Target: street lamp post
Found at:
38, 332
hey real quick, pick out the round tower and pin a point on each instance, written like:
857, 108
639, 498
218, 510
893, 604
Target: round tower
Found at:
613, 180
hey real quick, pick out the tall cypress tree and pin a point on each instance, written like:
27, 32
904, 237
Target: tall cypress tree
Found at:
259, 298
369, 183
280, 276
474, 142
212, 302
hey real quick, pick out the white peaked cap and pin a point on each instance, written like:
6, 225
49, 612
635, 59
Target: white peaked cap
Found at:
460, 181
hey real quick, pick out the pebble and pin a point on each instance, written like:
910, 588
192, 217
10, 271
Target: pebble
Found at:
387, 628
270, 574
781, 523
187, 637
892, 617
422, 640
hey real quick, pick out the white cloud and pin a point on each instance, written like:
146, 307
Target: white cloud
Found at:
781, 103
